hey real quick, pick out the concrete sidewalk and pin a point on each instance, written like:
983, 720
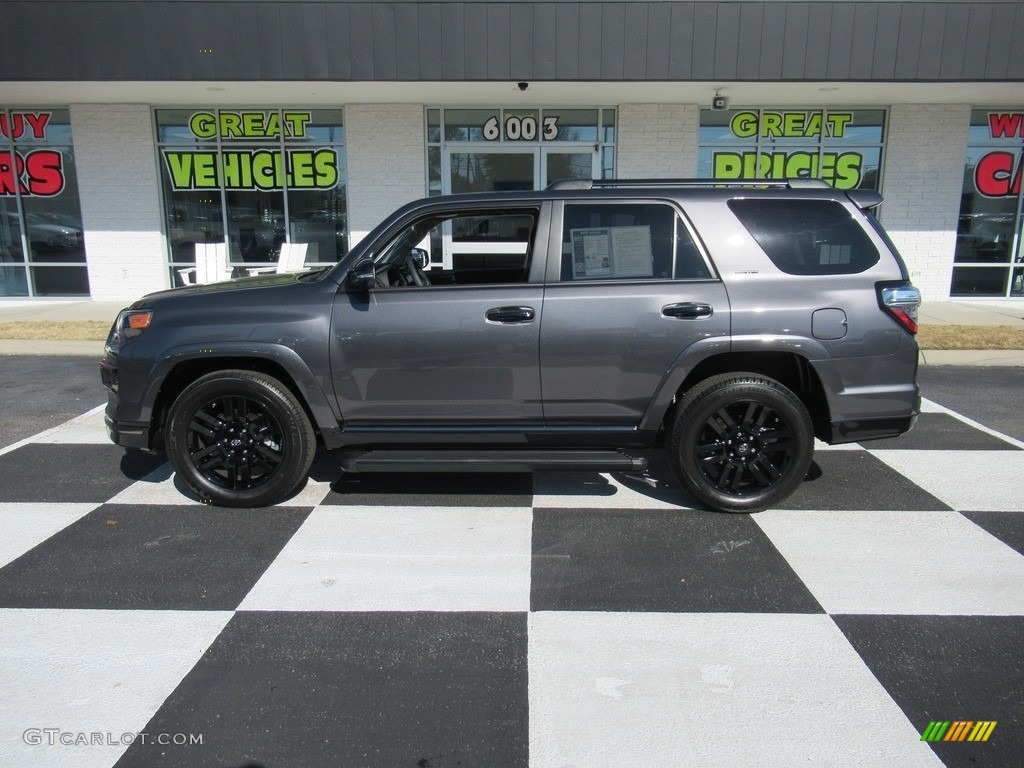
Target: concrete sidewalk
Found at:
932, 313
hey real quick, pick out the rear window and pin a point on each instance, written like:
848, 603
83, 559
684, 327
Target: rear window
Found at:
808, 237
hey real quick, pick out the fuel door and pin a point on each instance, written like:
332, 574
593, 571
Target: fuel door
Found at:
829, 324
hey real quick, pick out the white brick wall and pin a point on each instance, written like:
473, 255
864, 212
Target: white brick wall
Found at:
926, 149
115, 159
657, 141
386, 155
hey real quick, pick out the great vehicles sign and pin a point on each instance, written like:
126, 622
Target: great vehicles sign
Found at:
271, 165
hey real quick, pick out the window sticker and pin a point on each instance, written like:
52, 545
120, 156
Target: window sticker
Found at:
609, 252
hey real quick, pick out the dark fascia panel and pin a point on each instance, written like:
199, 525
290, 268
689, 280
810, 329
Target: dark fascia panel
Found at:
491, 40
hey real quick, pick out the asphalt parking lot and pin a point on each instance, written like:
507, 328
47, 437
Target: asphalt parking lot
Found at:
552, 619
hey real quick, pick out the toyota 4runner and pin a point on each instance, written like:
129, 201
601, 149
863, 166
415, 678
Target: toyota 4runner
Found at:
579, 327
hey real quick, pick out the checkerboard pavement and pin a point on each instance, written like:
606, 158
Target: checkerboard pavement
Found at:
562, 619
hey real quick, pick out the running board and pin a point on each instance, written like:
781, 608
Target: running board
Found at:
489, 460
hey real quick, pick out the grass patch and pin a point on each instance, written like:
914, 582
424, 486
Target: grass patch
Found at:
49, 330
929, 337
970, 337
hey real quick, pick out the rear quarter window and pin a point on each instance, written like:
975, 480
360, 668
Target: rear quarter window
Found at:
808, 237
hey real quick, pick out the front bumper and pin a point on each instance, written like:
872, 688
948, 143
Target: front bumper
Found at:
125, 433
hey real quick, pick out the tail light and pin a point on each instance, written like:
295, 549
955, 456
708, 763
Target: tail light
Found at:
901, 302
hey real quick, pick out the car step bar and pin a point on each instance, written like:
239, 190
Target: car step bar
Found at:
489, 460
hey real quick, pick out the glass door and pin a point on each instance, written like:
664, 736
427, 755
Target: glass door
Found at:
562, 164
490, 170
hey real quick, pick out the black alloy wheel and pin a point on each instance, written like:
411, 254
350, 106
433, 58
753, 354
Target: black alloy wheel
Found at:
240, 439
741, 442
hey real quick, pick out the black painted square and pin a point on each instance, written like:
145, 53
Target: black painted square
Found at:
1008, 527
635, 560
151, 558
61, 472
950, 668
343, 689
856, 480
942, 432
418, 489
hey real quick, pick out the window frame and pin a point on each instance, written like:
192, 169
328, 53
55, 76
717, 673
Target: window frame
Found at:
681, 223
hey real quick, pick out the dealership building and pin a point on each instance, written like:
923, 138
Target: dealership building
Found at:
133, 132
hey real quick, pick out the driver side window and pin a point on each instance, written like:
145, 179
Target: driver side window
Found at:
471, 247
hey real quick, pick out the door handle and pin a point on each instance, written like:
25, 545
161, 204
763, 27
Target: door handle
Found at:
687, 310
509, 315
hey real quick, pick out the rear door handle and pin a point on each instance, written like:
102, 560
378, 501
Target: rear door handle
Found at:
511, 315
687, 310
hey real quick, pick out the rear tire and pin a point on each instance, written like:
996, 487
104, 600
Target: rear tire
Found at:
740, 442
240, 439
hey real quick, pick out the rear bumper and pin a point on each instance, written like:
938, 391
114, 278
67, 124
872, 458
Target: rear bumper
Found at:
874, 428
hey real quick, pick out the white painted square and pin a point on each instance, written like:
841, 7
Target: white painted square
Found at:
26, 525
88, 428
162, 486
85, 672
925, 563
727, 690
592, 490
968, 481
402, 559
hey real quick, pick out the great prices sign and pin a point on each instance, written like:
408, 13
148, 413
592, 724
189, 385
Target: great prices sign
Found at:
28, 172
998, 173
841, 169
261, 168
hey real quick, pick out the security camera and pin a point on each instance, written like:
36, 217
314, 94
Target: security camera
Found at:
720, 102
523, 86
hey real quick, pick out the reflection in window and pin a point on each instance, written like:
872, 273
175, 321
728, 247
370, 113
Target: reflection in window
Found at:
42, 247
626, 242
254, 179
479, 247
989, 227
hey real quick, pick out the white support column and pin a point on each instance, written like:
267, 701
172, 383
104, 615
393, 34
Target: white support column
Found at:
925, 152
657, 141
116, 163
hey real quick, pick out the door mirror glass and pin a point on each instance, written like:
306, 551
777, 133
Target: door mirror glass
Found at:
362, 276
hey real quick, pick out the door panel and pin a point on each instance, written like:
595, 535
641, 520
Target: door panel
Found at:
606, 347
422, 356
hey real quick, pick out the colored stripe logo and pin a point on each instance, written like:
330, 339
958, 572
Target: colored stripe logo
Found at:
958, 730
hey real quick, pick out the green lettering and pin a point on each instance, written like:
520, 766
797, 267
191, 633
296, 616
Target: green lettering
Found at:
297, 123
771, 125
302, 169
230, 125
179, 166
793, 123
849, 167
744, 125
813, 127
273, 127
205, 165
837, 122
203, 125
252, 124
326, 163
728, 165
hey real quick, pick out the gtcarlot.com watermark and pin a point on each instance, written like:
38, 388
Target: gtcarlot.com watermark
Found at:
57, 737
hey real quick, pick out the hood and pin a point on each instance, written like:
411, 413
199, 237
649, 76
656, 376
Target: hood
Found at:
259, 282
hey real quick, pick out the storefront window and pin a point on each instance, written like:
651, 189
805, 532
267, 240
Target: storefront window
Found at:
42, 249
511, 148
255, 179
989, 260
841, 146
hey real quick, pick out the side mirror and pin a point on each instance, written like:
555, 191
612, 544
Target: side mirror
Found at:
419, 257
362, 277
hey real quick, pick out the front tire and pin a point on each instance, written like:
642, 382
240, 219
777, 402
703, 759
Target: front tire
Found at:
741, 442
240, 439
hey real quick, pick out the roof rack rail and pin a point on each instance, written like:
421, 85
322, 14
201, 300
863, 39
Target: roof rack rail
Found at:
594, 183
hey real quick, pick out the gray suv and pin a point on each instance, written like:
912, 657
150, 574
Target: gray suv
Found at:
584, 326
